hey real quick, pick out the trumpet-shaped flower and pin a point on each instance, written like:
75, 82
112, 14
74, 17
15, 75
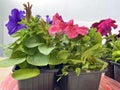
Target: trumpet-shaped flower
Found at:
72, 31
48, 20
58, 25
105, 26
13, 25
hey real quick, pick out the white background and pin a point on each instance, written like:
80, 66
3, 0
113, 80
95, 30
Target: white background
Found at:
84, 12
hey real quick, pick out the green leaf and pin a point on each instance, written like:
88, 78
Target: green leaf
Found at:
90, 51
78, 70
95, 37
63, 54
29, 51
116, 59
75, 61
8, 52
85, 66
54, 60
104, 64
38, 59
26, 50
116, 54
31, 42
11, 62
17, 54
98, 38
44, 49
92, 32
23, 64
22, 74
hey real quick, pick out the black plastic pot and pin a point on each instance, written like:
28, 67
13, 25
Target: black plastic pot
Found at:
86, 81
110, 70
45, 81
117, 71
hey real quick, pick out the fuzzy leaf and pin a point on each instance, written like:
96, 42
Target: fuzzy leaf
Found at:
63, 54
44, 49
29, 51
54, 60
11, 62
38, 59
17, 54
32, 42
25, 73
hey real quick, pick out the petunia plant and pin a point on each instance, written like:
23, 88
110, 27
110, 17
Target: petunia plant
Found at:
51, 44
106, 27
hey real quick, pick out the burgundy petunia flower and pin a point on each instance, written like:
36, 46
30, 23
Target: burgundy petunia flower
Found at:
12, 24
105, 26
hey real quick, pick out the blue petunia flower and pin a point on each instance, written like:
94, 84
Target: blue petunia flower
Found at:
48, 20
12, 24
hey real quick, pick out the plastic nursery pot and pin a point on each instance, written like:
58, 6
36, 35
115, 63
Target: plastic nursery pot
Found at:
110, 70
86, 81
117, 72
45, 81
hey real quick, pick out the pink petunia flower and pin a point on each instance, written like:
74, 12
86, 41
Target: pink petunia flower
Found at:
73, 31
60, 27
83, 30
57, 26
54, 29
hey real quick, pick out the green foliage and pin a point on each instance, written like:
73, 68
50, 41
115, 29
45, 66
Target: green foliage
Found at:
116, 51
35, 48
85, 54
109, 45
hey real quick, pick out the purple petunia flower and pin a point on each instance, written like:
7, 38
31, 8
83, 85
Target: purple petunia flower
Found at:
12, 24
48, 20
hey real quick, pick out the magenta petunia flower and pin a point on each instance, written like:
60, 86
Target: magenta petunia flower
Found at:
15, 17
105, 26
